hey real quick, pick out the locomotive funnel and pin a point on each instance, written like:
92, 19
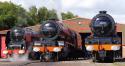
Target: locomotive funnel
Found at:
103, 12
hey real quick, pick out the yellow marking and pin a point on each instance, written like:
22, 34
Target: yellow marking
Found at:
103, 46
49, 48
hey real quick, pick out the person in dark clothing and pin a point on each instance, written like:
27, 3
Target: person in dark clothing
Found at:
7, 41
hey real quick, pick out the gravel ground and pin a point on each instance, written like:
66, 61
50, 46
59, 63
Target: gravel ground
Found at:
61, 63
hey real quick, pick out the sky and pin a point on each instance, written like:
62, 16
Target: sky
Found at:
82, 8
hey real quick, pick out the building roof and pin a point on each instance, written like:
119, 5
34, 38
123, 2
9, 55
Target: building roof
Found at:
78, 24
82, 25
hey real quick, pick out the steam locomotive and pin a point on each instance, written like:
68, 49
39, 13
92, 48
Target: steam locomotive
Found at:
57, 43
104, 43
15, 42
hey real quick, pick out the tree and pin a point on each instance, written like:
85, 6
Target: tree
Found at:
52, 14
9, 13
67, 15
21, 21
32, 16
42, 14
12, 14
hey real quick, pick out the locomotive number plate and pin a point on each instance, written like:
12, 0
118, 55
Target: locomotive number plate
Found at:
61, 43
37, 43
102, 53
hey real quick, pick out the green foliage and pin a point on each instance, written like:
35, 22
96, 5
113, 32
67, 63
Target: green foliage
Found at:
12, 14
21, 21
9, 13
52, 14
42, 14
32, 16
67, 15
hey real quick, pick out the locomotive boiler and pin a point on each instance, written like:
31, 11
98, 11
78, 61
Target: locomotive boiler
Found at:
104, 43
15, 43
58, 42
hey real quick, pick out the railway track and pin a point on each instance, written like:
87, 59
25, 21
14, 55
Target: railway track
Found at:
60, 63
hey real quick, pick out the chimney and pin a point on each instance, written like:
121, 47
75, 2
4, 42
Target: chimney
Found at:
79, 23
103, 12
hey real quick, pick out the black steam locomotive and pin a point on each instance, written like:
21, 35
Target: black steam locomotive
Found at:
15, 42
58, 42
104, 43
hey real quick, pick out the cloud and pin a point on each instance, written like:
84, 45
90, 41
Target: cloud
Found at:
89, 8
4, 0
69, 3
87, 3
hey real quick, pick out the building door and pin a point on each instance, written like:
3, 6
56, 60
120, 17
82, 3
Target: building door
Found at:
2, 46
83, 36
